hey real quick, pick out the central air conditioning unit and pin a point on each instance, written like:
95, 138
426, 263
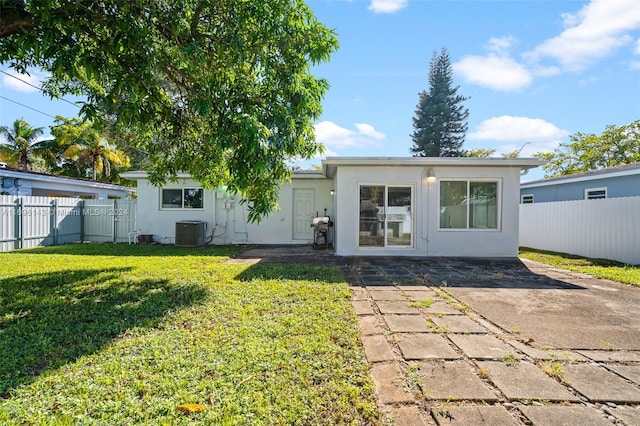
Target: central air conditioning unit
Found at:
190, 233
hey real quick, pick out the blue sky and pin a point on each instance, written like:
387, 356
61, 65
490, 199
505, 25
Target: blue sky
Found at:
535, 72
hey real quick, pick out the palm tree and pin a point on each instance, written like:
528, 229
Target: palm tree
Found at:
87, 147
20, 145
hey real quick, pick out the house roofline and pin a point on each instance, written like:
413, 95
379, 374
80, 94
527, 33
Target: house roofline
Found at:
611, 172
6, 172
330, 164
297, 174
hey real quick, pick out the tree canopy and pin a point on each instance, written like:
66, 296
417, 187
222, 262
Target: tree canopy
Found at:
616, 146
21, 144
440, 118
220, 89
83, 146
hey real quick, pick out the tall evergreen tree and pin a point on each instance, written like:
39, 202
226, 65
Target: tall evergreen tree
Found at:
440, 122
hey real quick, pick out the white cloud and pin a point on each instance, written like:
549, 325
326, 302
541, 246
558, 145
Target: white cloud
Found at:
334, 137
590, 34
35, 78
387, 6
538, 134
494, 71
501, 44
368, 130
637, 49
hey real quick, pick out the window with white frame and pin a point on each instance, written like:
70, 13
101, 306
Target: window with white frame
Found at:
526, 199
595, 193
469, 204
182, 198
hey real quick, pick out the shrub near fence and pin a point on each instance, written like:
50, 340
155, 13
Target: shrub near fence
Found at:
27, 222
606, 229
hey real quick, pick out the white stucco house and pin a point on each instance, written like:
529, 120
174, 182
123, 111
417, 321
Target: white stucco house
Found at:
380, 206
14, 181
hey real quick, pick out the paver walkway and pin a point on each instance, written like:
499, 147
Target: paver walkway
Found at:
472, 341
435, 359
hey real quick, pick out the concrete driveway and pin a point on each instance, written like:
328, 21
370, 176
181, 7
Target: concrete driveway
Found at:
482, 341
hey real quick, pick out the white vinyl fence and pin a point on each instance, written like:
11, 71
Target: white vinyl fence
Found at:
27, 222
606, 229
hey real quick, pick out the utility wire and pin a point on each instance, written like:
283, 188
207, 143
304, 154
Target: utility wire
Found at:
36, 87
27, 106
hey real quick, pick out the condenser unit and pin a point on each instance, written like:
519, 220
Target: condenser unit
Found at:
190, 233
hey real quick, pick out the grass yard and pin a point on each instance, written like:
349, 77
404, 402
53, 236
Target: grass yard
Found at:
125, 334
600, 268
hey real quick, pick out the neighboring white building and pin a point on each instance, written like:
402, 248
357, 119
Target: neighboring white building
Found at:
380, 206
19, 182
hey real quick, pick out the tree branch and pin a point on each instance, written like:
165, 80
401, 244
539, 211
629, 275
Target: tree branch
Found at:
14, 18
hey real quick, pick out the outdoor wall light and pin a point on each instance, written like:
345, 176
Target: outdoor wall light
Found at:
333, 191
431, 175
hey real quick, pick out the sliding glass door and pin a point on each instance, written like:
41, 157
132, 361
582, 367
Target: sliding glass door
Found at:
386, 216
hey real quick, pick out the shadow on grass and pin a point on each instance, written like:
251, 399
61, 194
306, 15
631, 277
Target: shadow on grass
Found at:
51, 319
123, 249
292, 271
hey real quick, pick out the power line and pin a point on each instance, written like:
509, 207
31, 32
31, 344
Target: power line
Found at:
27, 106
36, 87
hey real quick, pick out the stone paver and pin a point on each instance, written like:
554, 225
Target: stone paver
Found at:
452, 380
425, 346
386, 295
409, 416
525, 381
370, 324
393, 307
359, 293
458, 324
564, 415
420, 295
598, 384
631, 372
474, 415
612, 356
407, 323
481, 346
442, 307
362, 307
630, 416
377, 349
548, 354
390, 384
407, 286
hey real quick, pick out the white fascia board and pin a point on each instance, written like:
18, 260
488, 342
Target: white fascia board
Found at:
331, 163
138, 174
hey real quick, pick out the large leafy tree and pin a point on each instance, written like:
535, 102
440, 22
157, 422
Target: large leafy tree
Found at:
440, 119
221, 89
616, 146
84, 146
21, 143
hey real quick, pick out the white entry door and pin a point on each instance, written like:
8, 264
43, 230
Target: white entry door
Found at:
302, 214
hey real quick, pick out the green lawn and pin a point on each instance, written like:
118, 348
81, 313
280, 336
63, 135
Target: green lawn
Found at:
125, 334
600, 268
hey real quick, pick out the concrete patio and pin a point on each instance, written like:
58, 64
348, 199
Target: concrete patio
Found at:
484, 341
